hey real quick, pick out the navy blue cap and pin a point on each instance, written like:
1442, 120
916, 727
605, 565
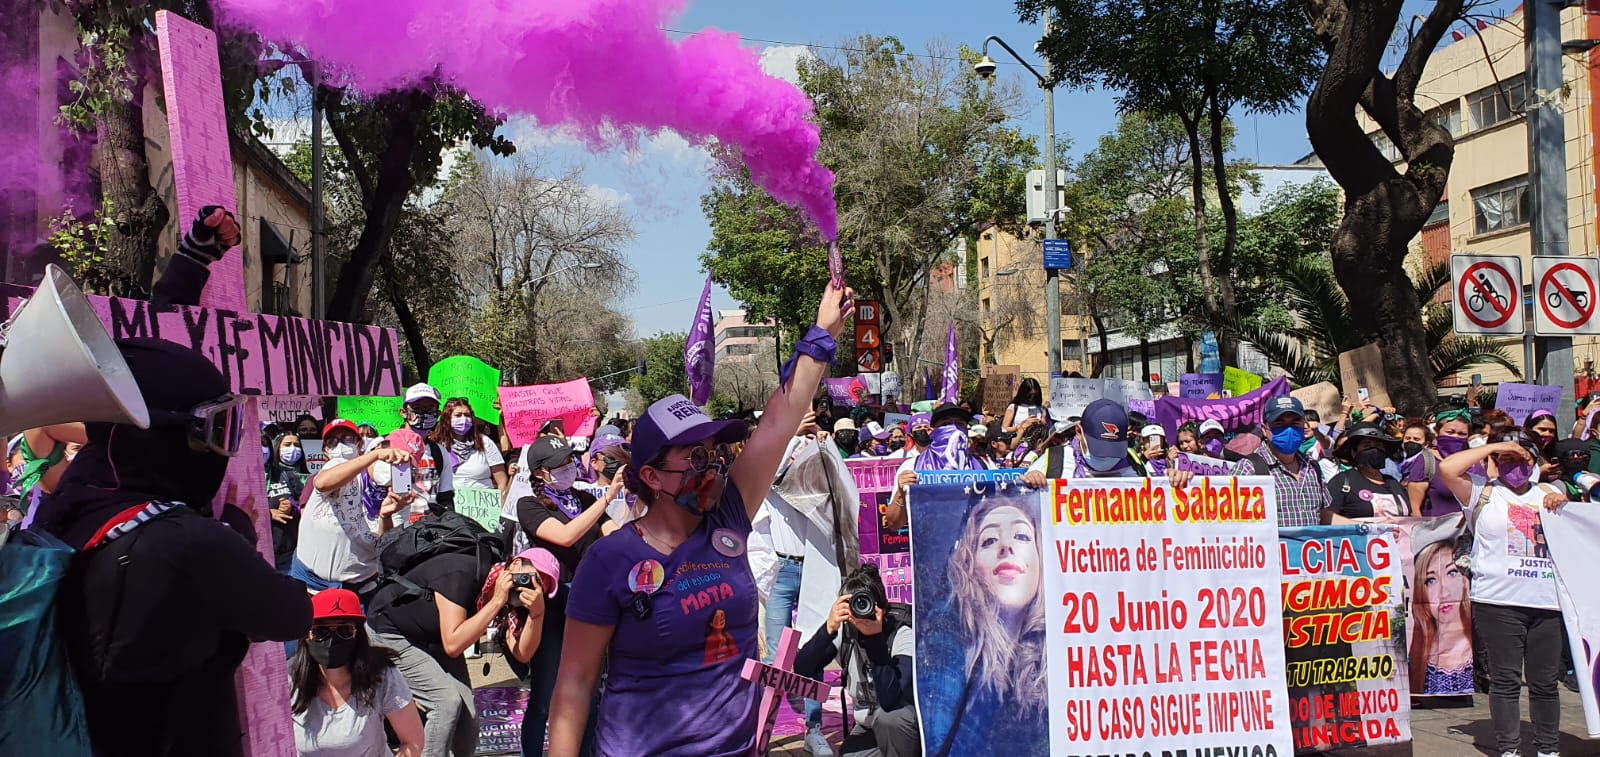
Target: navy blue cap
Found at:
1282, 404
1105, 428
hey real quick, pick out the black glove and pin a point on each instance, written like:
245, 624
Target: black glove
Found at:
207, 242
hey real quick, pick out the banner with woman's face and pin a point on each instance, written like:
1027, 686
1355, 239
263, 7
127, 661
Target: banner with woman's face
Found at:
1435, 556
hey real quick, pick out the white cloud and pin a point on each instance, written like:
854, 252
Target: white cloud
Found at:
612, 197
783, 61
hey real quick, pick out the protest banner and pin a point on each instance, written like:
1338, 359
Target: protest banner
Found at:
524, 408
1238, 383
500, 710
955, 580
381, 413
315, 457
469, 377
890, 420
1345, 655
1235, 414
283, 410
1201, 465
1573, 533
480, 503
1433, 553
1363, 369
874, 477
258, 354
1323, 398
1000, 383
1200, 386
850, 391
1521, 400
979, 477
1168, 634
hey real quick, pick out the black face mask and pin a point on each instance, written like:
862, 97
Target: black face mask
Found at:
1371, 458
611, 467
332, 652
1411, 448
922, 437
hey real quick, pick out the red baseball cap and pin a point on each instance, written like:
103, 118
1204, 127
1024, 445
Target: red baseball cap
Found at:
336, 604
339, 424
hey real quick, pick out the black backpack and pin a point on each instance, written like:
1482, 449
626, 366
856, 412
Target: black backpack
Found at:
448, 533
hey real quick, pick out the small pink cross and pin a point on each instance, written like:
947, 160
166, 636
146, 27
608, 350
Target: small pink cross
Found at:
780, 676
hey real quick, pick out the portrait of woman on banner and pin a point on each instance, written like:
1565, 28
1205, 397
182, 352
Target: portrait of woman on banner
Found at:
981, 669
1440, 621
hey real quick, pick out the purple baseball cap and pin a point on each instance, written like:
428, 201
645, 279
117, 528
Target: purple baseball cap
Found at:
673, 421
920, 419
607, 437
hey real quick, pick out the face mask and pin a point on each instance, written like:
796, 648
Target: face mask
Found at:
921, 437
611, 467
1100, 464
341, 451
1214, 448
1286, 440
1371, 458
461, 424
1516, 476
424, 422
701, 492
266, 451
561, 479
1411, 449
332, 652
290, 455
1449, 445
1477, 441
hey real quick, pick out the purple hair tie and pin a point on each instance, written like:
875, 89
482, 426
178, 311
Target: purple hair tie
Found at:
817, 344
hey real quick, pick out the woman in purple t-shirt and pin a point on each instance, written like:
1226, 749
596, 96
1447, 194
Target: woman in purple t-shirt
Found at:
668, 601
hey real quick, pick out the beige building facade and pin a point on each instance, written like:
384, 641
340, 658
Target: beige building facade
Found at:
1011, 311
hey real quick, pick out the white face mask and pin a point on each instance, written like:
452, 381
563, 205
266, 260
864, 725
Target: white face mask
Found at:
340, 451
562, 479
290, 455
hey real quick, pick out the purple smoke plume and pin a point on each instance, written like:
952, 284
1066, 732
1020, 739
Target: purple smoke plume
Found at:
583, 64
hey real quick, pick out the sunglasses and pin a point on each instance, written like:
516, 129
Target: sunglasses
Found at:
344, 631
702, 459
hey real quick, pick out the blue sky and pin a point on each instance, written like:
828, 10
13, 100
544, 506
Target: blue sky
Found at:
660, 184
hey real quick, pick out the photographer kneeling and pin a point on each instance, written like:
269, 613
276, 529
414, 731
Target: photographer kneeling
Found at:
862, 621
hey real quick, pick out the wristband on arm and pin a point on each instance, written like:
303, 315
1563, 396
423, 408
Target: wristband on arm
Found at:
816, 344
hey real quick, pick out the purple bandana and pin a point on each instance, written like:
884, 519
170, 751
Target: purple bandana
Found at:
566, 500
949, 450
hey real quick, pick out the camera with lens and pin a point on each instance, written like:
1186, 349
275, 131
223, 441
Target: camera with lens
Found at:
524, 580
863, 606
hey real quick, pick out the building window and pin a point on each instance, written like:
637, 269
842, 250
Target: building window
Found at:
1385, 146
1441, 213
1497, 103
1448, 116
1503, 205
983, 267
986, 307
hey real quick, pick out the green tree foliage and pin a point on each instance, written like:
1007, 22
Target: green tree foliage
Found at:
1323, 325
921, 151
1198, 61
664, 372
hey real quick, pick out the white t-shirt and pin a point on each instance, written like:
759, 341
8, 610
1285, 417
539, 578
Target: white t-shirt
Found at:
1020, 413
1510, 564
475, 468
428, 478
338, 542
353, 730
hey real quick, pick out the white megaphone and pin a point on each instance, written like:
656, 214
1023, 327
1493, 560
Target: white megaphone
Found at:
60, 364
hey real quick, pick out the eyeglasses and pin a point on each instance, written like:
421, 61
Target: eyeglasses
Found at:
701, 459
344, 631
214, 426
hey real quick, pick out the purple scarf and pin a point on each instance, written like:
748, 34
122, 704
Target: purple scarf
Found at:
566, 500
949, 450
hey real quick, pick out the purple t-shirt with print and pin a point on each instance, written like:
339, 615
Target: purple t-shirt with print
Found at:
673, 686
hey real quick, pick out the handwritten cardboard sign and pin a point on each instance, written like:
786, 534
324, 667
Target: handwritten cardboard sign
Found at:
469, 377
1363, 369
481, 504
524, 408
1238, 383
1521, 400
285, 409
1000, 383
381, 413
1069, 396
1323, 398
1200, 386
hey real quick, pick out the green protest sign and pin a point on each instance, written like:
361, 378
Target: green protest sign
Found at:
382, 413
1239, 383
481, 504
467, 376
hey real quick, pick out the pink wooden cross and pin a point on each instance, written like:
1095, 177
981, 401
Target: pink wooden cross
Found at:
780, 676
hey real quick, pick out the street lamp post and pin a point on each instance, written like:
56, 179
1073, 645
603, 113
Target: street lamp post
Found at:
1052, 288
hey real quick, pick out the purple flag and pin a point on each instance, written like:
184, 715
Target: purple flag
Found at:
927, 384
698, 349
952, 378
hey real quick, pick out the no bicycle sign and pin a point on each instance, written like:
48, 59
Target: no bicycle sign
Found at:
1488, 294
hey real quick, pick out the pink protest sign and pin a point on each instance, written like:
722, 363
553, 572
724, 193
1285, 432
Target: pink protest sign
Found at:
261, 354
203, 172
525, 408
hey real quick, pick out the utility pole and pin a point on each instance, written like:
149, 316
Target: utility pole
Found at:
1547, 178
1052, 282
319, 272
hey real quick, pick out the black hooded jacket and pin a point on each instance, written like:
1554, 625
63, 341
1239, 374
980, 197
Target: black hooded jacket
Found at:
157, 621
